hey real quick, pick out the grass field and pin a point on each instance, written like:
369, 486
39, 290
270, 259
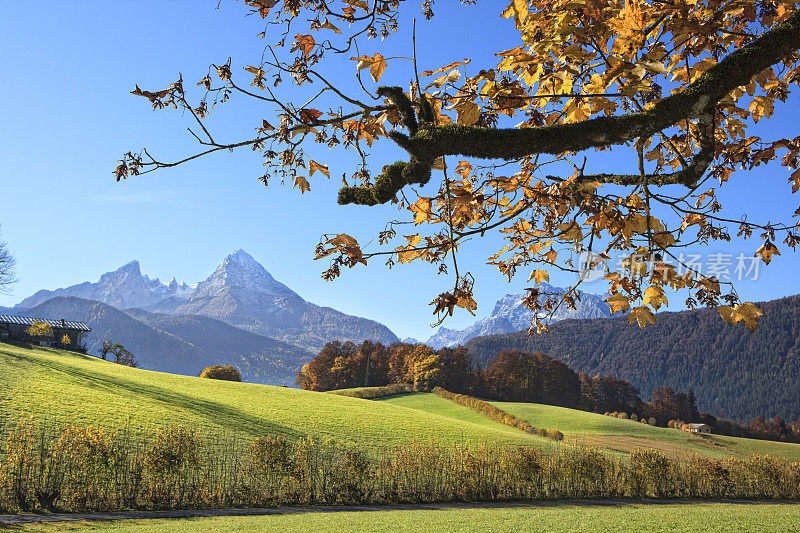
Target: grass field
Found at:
59, 386
613, 434
625, 435
714, 517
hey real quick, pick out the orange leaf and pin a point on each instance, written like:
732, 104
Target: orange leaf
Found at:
313, 166
304, 43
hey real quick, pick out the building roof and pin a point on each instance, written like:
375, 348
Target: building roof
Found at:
698, 425
28, 321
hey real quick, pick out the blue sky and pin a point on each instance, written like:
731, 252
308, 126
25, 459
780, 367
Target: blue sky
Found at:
68, 116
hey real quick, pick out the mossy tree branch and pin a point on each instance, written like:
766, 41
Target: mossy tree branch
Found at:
425, 144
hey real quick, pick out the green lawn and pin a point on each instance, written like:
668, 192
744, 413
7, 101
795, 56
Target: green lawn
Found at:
59, 386
579, 518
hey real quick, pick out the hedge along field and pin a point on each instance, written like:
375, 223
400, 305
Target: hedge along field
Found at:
91, 468
626, 435
59, 387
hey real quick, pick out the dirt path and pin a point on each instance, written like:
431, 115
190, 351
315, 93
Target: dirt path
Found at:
8, 520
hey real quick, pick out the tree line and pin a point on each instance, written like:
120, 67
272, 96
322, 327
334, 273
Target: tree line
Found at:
516, 376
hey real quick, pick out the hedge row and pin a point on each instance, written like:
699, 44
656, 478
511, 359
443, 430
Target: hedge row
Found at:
81, 468
496, 414
369, 393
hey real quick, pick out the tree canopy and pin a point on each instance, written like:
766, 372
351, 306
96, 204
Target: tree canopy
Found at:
674, 86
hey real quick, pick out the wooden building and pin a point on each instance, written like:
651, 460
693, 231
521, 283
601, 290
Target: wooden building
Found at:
698, 428
15, 328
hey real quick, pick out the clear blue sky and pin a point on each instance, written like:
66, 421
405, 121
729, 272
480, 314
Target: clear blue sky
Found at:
67, 116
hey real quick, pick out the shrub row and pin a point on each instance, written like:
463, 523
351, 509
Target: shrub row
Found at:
90, 468
623, 415
496, 414
369, 393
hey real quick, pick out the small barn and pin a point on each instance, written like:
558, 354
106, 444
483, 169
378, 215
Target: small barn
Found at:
698, 428
15, 328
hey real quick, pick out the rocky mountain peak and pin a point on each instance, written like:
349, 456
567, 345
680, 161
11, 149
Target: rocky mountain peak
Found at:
240, 269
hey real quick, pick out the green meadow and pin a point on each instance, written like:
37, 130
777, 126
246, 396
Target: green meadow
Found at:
58, 387
712, 517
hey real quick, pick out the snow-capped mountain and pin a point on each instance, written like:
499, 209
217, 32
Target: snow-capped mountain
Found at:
242, 293
239, 292
123, 288
510, 315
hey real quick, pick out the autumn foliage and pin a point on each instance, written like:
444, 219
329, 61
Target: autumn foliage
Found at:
674, 89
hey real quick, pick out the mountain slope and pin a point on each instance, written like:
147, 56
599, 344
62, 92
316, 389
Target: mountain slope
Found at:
733, 372
179, 344
510, 315
243, 294
259, 359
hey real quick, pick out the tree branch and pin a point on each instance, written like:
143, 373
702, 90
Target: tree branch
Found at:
699, 99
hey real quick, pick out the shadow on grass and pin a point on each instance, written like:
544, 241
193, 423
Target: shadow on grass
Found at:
214, 413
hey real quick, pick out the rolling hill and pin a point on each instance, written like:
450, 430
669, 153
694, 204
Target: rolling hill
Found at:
58, 386
610, 434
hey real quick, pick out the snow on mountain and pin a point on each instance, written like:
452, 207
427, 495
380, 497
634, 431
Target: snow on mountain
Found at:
240, 292
511, 315
240, 270
123, 288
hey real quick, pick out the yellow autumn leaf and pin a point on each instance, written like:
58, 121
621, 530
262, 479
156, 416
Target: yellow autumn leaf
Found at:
302, 183
422, 210
654, 297
642, 316
746, 312
468, 113
618, 303
539, 276
570, 231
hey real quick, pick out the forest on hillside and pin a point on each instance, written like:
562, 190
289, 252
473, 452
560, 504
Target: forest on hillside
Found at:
734, 373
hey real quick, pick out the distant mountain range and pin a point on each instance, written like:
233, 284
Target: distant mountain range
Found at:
239, 315
734, 373
510, 315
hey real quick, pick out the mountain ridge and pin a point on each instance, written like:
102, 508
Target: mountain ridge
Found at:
240, 292
510, 315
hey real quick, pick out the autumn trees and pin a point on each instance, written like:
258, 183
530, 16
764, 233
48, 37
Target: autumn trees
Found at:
673, 88
347, 365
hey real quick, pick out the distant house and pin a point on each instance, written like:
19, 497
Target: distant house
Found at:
14, 328
698, 428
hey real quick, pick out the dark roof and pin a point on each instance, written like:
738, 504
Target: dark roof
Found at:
28, 321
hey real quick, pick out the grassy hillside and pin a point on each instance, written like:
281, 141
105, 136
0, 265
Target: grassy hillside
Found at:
626, 435
605, 432
58, 386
